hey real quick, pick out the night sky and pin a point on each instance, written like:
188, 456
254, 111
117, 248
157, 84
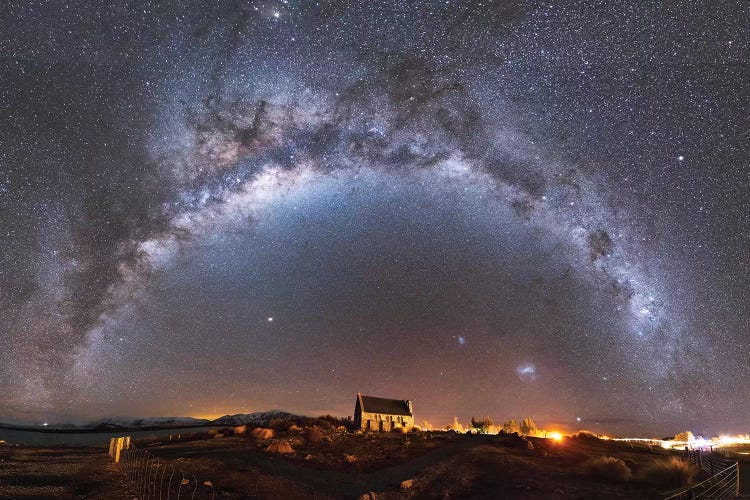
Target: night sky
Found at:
490, 208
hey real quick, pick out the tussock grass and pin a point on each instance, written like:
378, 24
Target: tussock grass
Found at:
668, 473
282, 447
262, 433
606, 469
314, 435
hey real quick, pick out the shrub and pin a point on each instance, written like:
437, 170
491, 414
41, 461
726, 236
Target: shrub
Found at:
455, 426
399, 430
606, 469
511, 427
314, 435
584, 435
280, 447
528, 427
482, 424
279, 424
669, 473
240, 430
262, 433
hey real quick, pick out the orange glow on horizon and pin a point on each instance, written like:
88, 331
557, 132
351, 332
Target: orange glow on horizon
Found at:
556, 436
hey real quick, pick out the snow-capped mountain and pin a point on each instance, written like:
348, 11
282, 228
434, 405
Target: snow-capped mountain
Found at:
131, 422
257, 418
261, 418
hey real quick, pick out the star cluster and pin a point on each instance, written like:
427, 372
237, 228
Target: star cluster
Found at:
500, 208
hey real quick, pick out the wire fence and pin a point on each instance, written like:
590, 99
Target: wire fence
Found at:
724, 481
153, 478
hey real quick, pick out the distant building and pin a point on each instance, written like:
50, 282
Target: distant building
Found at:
380, 414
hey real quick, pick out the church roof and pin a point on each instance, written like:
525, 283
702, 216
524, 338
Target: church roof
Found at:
372, 404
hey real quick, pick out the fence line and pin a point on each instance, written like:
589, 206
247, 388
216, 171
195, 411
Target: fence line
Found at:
154, 478
724, 481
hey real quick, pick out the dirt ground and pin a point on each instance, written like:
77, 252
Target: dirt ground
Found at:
444, 465
63, 473
343, 465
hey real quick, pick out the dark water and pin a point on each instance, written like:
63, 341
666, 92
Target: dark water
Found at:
84, 439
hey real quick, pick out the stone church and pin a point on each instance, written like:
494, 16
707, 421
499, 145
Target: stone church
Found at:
380, 414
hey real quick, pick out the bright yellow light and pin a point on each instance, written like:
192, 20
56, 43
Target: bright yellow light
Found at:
556, 436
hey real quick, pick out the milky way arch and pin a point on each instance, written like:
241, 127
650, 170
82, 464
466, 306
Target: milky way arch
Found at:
410, 118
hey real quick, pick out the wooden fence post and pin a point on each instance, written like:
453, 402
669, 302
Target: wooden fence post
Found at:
111, 447
127, 442
118, 448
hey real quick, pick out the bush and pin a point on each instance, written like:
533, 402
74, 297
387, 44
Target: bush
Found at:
280, 447
606, 469
584, 435
482, 424
262, 433
280, 425
240, 430
668, 473
399, 430
314, 435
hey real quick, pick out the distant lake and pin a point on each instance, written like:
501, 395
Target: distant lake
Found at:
33, 438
